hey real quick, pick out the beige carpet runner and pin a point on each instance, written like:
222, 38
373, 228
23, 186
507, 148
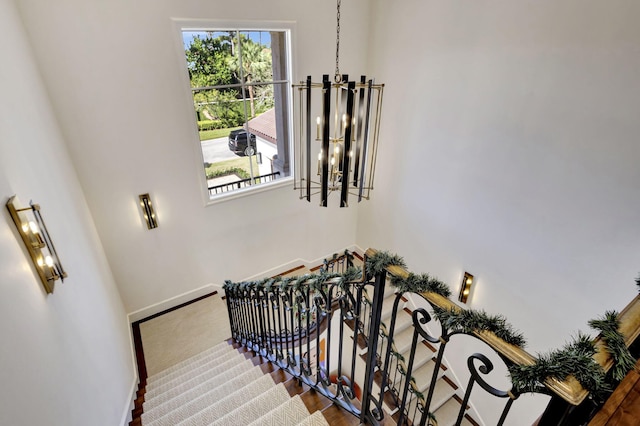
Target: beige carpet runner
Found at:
220, 387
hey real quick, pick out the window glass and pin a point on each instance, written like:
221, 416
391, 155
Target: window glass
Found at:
241, 90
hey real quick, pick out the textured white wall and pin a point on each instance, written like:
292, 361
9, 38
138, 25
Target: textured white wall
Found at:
118, 85
510, 150
66, 357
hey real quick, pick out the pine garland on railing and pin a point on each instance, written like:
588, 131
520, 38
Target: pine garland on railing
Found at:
420, 284
314, 281
575, 358
608, 327
469, 320
380, 261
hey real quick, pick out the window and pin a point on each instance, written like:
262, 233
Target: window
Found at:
241, 90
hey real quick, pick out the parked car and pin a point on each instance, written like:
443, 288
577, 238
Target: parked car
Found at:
238, 142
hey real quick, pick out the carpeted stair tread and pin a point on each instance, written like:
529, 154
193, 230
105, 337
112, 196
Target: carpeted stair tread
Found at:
204, 372
290, 413
246, 410
316, 419
201, 364
214, 404
448, 413
213, 389
424, 374
202, 383
217, 349
442, 393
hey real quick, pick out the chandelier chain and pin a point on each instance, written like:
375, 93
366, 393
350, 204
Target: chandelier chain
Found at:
337, 77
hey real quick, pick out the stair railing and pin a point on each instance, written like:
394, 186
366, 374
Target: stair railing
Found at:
568, 406
297, 324
315, 326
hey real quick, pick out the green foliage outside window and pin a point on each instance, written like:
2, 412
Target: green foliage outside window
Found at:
217, 59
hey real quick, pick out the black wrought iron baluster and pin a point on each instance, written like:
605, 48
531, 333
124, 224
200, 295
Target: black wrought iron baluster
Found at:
386, 355
347, 309
356, 331
320, 302
254, 319
279, 333
274, 299
244, 315
376, 415
227, 299
419, 318
485, 368
343, 303
324, 371
305, 365
260, 298
286, 297
301, 309
268, 330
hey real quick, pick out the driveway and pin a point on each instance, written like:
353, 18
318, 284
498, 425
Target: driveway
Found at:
217, 150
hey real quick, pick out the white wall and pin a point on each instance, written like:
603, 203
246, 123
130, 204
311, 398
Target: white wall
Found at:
509, 149
66, 358
119, 86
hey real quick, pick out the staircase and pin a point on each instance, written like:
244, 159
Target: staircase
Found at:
228, 385
280, 374
446, 402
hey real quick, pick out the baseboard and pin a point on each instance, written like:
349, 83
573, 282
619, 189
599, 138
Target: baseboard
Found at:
209, 288
170, 303
126, 416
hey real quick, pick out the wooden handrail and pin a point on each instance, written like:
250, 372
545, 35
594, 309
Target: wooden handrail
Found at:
569, 389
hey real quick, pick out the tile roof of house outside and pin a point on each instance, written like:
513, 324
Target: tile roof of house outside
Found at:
264, 125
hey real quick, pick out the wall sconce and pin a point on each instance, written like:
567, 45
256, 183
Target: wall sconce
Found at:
465, 287
36, 238
147, 211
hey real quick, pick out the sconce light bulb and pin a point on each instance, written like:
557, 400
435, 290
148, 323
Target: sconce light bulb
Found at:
469, 281
25, 227
34, 228
318, 121
48, 260
40, 262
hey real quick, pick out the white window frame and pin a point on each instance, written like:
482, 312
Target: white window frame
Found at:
287, 27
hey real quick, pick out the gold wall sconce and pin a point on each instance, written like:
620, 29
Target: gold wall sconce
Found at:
465, 287
36, 238
147, 211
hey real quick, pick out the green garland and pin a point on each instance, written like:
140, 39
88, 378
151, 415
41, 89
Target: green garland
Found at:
469, 320
575, 358
420, 284
380, 261
623, 361
314, 281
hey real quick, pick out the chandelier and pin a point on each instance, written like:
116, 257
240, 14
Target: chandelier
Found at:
339, 123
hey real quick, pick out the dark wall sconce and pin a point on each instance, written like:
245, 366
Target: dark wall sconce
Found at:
465, 287
147, 211
36, 238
